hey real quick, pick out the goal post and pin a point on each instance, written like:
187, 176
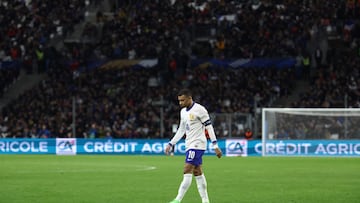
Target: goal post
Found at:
308, 124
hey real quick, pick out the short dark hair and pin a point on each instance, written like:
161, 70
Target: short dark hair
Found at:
185, 92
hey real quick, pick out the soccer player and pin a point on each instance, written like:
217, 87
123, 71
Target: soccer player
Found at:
194, 120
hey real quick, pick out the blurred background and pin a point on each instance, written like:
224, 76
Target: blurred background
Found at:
112, 68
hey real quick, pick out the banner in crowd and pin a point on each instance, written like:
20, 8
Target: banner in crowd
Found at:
230, 147
224, 63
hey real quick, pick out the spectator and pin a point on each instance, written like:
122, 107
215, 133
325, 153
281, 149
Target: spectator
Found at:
248, 134
44, 132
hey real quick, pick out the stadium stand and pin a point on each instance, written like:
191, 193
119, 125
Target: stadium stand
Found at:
187, 43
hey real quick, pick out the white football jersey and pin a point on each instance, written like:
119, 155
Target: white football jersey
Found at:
192, 123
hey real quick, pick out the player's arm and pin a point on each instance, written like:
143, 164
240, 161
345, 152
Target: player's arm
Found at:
205, 118
178, 135
213, 139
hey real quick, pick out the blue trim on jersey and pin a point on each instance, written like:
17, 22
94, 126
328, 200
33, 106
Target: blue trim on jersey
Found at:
208, 122
188, 108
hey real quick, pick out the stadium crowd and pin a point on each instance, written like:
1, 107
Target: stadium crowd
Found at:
120, 102
29, 26
7, 78
232, 29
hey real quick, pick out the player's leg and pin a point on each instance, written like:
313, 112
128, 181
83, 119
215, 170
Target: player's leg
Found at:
187, 179
201, 184
186, 182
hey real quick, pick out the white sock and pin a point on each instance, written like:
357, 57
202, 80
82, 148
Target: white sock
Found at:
202, 187
184, 186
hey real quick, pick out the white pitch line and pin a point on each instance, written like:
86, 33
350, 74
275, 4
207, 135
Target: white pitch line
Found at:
147, 168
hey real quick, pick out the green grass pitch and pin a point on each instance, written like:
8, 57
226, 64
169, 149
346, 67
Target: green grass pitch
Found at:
155, 179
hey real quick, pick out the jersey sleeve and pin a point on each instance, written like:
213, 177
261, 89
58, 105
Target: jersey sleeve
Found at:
204, 115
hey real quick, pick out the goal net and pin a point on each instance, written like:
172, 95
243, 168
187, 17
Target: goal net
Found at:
281, 124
